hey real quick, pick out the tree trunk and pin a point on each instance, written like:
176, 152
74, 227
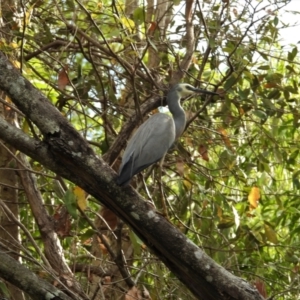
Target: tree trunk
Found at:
9, 233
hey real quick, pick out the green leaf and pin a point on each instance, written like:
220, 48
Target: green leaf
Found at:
71, 203
292, 54
70, 5
286, 94
139, 15
270, 233
260, 114
226, 222
264, 56
152, 45
226, 160
4, 290
58, 189
292, 210
137, 243
274, 94
264, 67
230, 81
212, 42
267, 103
277, 154
244, 93
296, 181
293, 156
87, 234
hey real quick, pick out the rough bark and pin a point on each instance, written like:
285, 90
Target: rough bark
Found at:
9, 233
24, 279
65, 152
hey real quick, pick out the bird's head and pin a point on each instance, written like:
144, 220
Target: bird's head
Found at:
184, 90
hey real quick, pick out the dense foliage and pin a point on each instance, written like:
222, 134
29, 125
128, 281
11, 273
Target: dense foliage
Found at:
232, 182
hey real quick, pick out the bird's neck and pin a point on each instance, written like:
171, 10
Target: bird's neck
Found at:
178, 117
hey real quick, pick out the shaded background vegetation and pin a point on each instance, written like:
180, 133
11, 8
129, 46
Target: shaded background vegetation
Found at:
232, 183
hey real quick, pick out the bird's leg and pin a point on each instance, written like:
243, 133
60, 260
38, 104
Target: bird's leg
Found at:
163, 200
139, 185
147, 191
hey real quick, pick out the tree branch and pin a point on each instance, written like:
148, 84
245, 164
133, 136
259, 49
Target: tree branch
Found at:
26, 280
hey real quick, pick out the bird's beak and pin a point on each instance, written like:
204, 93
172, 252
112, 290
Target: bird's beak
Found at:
204, 92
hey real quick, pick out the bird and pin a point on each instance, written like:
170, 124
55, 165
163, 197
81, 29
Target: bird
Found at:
155, 137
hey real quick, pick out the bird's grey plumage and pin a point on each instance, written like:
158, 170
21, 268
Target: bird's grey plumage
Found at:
154, 138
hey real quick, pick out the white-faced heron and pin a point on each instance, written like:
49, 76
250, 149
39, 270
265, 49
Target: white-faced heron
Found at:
154, 138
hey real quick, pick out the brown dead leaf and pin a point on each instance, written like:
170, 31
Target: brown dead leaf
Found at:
110, 218
151, 28
106, 281
271, 12
87, 242
261, 287
221, 92
202, 149
63, 78
146, 294
133, 294
270, 85
102, 246
205, 204
180, 167
241, 111
62, 222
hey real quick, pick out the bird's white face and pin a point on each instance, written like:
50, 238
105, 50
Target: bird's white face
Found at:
185, 89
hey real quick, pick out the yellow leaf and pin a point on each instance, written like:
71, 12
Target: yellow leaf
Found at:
253, 197
187, 184
128, 23
225, 138
219, 212
14, 46
27, 18
241, 111
80, 197
100, 5
7, 99
25, 126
